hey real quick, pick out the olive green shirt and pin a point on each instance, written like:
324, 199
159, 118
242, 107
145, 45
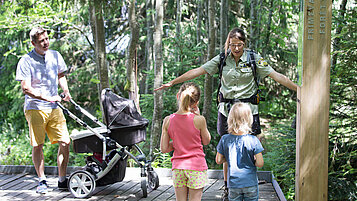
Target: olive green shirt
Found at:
237, 80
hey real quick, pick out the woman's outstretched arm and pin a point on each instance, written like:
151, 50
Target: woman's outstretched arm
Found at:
189, 75
282, 79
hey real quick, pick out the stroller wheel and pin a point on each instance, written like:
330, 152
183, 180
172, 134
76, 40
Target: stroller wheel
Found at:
153, 180
144, 187
81, 184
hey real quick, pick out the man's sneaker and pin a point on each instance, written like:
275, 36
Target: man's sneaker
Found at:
42, 187
63, 185
225, 194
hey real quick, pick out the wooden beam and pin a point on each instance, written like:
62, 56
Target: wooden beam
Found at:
313, 104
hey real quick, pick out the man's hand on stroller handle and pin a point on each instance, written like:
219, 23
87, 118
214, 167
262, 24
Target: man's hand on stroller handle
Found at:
65, 96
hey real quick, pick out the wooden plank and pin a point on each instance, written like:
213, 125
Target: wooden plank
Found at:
266, 192
312, 150
4, 176
16, 183
213, 192
165, 183
155, 194
24, 188
168, 194
10, 179
107, 190
120, 193
25, 183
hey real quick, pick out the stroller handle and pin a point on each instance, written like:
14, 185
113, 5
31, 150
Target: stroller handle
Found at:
85, 112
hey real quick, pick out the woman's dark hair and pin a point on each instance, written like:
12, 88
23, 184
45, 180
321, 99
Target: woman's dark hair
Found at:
235, 33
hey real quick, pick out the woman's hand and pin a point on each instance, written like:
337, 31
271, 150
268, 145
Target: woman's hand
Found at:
189, 75
164, 86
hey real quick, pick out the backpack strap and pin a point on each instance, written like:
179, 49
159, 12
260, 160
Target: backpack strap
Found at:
222, 63
253, 65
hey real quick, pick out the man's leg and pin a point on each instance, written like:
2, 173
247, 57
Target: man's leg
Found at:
62, 158
39, 163
38, 160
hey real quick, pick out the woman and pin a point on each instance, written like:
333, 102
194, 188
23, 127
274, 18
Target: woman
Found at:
237, 82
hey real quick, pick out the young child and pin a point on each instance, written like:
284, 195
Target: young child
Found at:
243, 152
188, 131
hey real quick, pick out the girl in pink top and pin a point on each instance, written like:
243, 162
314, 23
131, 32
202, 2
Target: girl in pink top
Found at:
188, 131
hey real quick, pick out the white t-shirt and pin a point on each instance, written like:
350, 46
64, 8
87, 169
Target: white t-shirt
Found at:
42, 72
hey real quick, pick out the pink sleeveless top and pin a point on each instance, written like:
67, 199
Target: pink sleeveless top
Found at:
187, 143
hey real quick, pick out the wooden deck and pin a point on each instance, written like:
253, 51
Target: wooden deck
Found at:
22, 186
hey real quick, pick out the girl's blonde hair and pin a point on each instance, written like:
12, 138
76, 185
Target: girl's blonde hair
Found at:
234, 33
189, 95
240, 118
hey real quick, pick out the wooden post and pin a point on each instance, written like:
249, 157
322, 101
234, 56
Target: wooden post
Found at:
313, 105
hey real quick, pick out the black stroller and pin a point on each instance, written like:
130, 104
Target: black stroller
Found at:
111, 145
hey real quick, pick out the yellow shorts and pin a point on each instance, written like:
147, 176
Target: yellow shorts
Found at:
51, 121
190, 178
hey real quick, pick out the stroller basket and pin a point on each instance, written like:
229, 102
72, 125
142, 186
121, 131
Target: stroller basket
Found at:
87, 142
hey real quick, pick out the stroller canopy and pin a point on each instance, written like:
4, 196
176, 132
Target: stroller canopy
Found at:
120, 112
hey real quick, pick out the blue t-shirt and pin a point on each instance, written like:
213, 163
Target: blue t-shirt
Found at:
239, 151
42, 72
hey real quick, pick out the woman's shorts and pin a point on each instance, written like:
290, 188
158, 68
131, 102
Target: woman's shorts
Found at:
191, 178
51, 121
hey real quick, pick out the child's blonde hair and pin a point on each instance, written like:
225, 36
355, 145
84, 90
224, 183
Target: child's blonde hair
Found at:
189, 95
240, 118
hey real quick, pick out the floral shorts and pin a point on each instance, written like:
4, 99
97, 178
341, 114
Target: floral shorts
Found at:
190, 178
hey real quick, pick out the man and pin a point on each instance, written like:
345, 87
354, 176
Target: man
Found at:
40, 73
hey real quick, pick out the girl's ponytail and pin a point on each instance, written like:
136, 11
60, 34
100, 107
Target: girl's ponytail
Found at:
189, 95
186, 100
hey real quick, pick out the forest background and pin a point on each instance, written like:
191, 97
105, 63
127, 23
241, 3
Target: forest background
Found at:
135, 46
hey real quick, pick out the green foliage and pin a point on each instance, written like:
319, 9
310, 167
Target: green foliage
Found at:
343, 111
162, 160
279, 156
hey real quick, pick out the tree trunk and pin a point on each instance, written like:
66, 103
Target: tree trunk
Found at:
132, 70
268, 27
207, 104
98, 31
336, 41
158, 68
178, 25
149, 45
253, 23
199, 19
199, 25
223, 23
